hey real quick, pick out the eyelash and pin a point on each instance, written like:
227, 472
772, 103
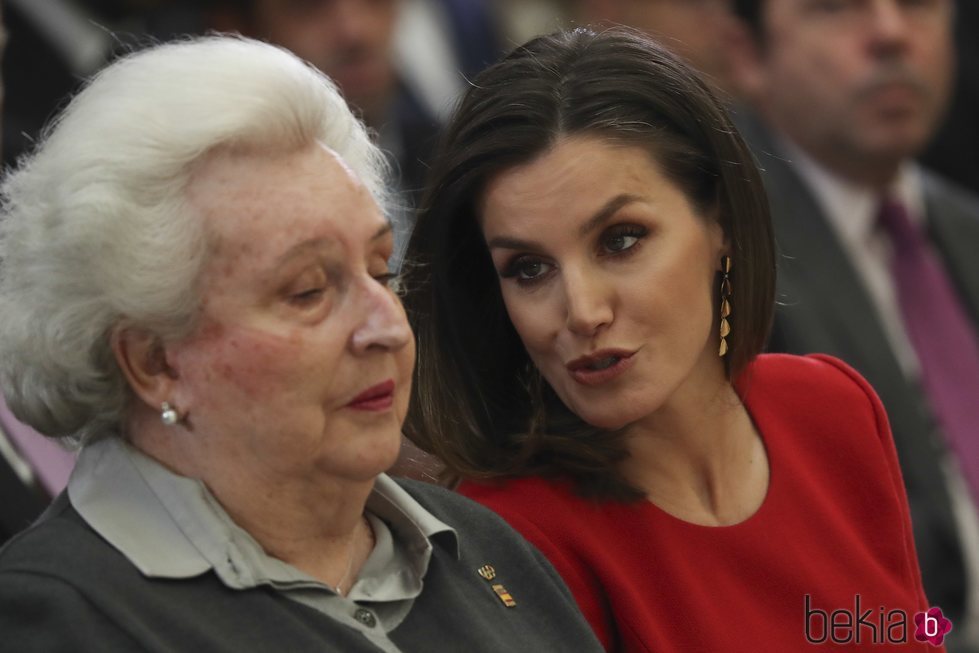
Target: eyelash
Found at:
516, 266
391, 280
624, 231
306, 297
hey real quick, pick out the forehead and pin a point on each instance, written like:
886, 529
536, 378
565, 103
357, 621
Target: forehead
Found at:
837, 14
580, 181
577, 171
264, 202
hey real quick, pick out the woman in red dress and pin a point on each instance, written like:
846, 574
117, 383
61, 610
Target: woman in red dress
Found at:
591, 282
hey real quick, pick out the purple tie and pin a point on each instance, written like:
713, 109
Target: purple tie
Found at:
943, 337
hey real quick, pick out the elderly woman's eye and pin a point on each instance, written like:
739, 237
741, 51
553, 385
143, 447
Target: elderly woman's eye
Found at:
389, 279
392, 280
308, 296
622, 238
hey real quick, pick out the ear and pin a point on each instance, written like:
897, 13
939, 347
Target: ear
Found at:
718, 240
746, 61
142, 358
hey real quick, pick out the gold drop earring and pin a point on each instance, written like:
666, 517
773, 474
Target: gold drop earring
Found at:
725, 303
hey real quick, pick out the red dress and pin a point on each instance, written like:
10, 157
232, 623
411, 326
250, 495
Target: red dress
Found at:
833, 530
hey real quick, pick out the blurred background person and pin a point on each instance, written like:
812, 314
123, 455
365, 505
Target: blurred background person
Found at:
400, 63
878, 253
356, 42
33, 469
195, 286
952, 151
694, 29
56, 44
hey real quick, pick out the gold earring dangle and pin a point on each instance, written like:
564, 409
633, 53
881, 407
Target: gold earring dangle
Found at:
725, 303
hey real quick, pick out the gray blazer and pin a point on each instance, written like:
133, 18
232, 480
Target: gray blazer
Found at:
823, 307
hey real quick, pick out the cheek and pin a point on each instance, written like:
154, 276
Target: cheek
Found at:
531, 318
406, 365
241, 364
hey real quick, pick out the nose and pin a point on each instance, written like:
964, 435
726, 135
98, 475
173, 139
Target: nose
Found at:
383, 325
589, 303
890, 26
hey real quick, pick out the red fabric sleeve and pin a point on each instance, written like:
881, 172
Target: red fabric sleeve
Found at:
889, 453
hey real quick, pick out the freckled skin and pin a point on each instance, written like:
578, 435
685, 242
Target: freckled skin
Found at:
657, 300
266, 378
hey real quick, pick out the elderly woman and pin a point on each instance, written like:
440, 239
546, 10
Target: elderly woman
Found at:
195, 289
593, 281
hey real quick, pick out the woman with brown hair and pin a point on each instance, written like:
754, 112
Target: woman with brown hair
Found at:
592, 281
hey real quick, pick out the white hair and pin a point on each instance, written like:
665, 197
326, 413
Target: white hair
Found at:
96, 229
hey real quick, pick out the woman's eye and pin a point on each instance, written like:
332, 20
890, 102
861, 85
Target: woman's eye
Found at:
527, 270
307, 297
620, 243
621, 239
531, 269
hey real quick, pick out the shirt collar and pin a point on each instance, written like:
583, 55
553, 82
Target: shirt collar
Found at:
170, 526
408, 518
850, 208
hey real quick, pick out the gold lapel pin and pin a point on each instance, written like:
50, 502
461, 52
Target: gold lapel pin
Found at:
504, 596
487, 572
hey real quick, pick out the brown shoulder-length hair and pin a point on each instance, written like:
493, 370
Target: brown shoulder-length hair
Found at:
478, 403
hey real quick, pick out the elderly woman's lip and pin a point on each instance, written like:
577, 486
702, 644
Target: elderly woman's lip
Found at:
377, 397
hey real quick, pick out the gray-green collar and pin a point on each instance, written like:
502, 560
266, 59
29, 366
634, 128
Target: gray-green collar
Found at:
170, 526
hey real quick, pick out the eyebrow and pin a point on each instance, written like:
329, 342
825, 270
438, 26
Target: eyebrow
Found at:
601, 216
606, 212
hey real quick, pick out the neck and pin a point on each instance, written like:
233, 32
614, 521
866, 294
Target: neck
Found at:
877, 176
315, 524
876, 172
699, 458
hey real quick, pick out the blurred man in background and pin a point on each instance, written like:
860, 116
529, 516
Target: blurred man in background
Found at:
352, 42
695, 29
878, 261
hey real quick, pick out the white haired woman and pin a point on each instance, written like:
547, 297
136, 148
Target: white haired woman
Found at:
195, 290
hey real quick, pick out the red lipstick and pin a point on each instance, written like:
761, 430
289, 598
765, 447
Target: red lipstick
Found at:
376, 398
600, 366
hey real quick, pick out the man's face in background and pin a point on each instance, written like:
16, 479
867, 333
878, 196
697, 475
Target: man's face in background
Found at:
856, 82
349, 40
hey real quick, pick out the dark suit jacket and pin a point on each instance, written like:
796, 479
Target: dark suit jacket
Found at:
823, 307
20, 505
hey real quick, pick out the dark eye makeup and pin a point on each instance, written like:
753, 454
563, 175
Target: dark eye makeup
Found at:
618, 241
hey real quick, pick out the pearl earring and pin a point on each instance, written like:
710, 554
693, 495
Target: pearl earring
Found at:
168, 415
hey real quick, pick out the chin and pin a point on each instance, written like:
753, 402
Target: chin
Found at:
387, 454
605, 419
